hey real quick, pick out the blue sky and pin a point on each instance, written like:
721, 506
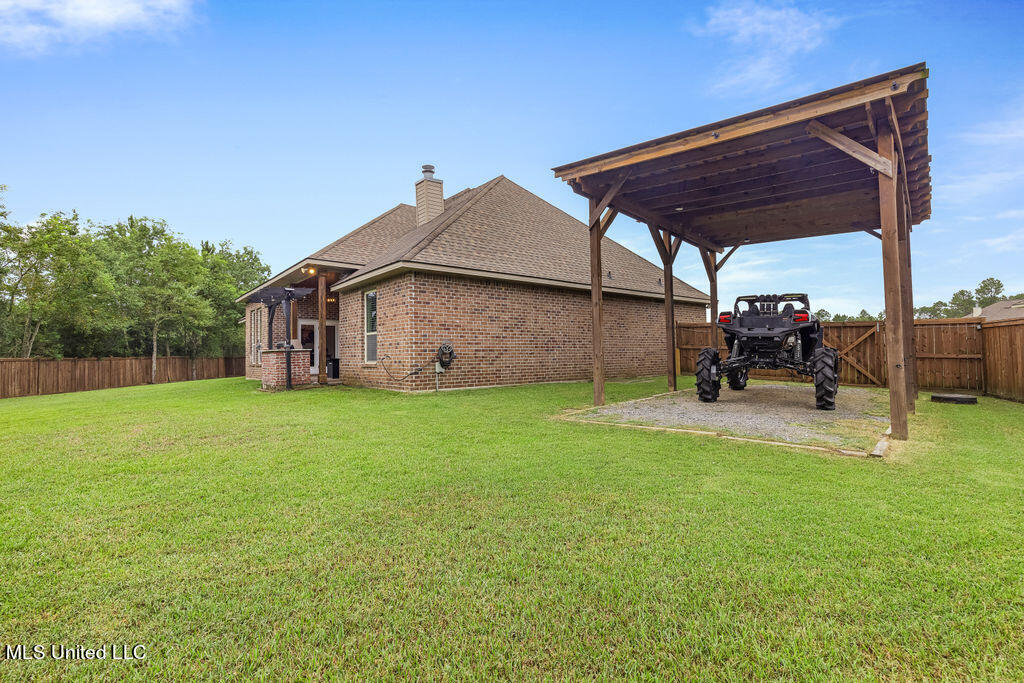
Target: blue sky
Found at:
284, 125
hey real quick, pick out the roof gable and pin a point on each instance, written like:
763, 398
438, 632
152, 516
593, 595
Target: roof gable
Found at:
502, 228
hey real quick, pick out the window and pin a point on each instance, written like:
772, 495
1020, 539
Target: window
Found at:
370, 318
255, 335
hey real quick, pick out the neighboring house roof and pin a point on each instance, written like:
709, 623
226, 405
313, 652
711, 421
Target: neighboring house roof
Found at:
497, 230
1004, 310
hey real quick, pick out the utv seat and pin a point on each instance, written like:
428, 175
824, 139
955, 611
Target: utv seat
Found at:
787, 311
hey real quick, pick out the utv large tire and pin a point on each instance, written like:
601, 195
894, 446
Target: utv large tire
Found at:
737, 380
709, 384
826, 378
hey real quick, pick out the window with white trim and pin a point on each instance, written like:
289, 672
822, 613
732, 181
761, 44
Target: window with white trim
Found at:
370, 325
255, 335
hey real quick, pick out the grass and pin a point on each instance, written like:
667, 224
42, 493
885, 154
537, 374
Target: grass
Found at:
366, 534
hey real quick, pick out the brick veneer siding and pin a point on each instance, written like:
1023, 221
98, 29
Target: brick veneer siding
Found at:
275, 367
503, 332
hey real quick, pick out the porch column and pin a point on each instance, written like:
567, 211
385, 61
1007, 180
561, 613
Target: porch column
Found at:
668, 247
321, 305
907, 300
892, 271
709, 258
596, 300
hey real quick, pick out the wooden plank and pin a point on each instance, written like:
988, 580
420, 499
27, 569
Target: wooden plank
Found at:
725, 258
597, 209
851, 147
751, 126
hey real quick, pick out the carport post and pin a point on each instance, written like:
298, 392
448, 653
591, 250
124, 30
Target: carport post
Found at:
709, 257
907, 299
596, 305
668, 247
892, 270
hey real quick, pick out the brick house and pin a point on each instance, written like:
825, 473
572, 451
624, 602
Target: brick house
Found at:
495, 271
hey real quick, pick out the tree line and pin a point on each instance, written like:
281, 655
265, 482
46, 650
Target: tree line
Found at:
79, 289
960, 305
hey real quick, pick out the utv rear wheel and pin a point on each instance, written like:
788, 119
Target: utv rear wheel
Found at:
708, 381
826, 379
737, 380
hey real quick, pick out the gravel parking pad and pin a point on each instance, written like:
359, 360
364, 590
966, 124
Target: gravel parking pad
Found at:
778, 412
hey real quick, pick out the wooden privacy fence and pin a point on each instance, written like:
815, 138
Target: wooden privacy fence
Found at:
36, 376
959, 353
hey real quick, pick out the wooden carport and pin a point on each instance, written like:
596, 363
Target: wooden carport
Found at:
850, 159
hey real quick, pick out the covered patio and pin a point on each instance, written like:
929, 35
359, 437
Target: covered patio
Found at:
851, 159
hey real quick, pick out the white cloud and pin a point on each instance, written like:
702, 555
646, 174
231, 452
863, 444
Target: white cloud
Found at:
769, 37
971, 187
33, 26
1012, 213
1009, 132
1013, 241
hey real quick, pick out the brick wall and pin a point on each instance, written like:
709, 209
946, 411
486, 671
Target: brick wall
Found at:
274, 371
503, 333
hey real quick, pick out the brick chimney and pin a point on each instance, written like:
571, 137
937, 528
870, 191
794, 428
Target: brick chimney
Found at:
429, 196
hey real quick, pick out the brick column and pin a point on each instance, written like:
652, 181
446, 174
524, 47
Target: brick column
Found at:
275, 369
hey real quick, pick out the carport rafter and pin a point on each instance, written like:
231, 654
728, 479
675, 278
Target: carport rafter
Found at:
851, 159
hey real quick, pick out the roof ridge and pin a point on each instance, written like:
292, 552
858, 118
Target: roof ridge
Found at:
480, 191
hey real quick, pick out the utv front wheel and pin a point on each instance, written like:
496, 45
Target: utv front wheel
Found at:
737, 380
826, 377
708, 381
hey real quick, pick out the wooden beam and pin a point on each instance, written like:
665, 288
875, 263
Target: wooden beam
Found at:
874, 232
609, 195
725, 258
827, 161
606, 220
321, 321
659, 242
666, 249
825, 188
775, 145
871, 121
597, 312
708, 257
763, 193
891, 270
750, 126
894, 123
676, 243
643, 215
851, 147
907, 301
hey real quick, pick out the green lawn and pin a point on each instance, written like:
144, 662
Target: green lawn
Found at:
364, 533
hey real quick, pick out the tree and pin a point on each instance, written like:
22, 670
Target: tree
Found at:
162, 277
961, 304
823, 315
51, 278
989, 291
936, 310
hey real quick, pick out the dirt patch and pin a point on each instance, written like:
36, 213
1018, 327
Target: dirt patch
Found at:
777, 412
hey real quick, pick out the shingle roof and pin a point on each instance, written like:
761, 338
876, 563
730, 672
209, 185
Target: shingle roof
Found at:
502, 228
367, 241
1004, 310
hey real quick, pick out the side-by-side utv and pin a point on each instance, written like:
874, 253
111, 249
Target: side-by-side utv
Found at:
770, 332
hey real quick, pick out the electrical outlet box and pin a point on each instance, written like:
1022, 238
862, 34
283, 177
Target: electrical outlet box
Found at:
437, 368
